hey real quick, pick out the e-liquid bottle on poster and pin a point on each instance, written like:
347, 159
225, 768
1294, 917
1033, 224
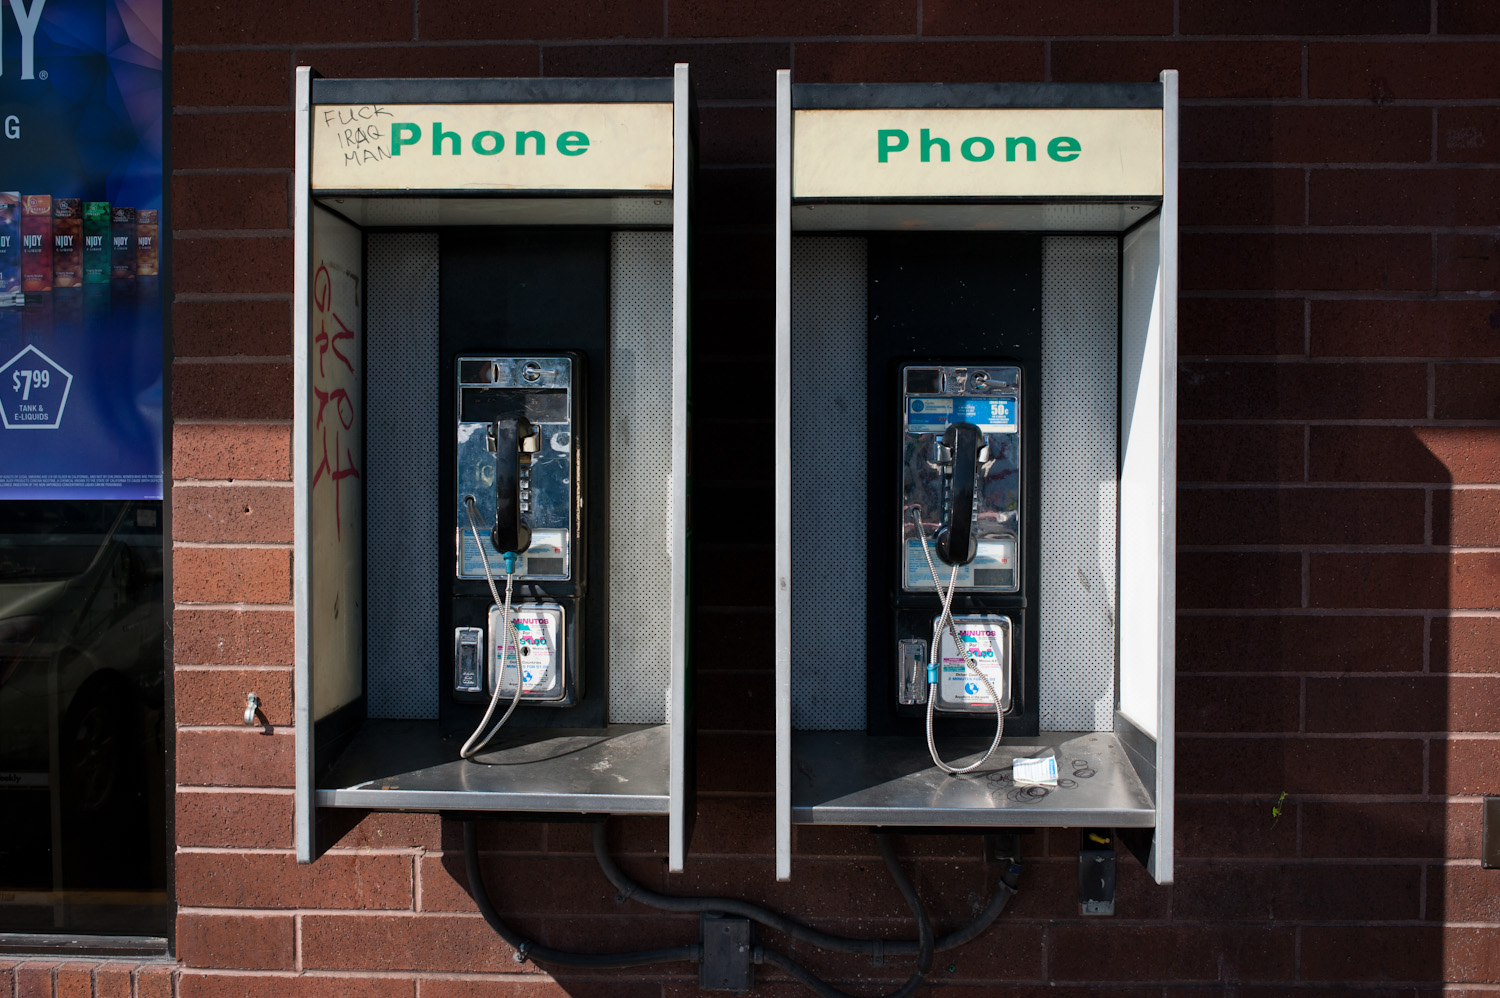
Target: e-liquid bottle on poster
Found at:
122, 243
36, 242
10, 248
67, 242
145, 242
96, 242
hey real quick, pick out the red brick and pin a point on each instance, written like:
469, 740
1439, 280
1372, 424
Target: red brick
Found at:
1468, 135
379, 830
232, 513
218, 695
1467, 391
1299, 644
232, 637
232, 264
8, 976
1238, 580
735, 826
702, 18
405, 942
1211, 829
1318, 261
231, 329
75, 980
1382, 71
231, 201
509, 987
1405, 454
258, 78
275, 880
1407, 581
1070, 17
1240, 326
1215, 892
252, 942
1405, 328
736, 136
1244, 196
1296, 390
1389, 704
736, 703
1404, 830
1287, 17
34, 979
1178, 953
919, 62
232, 391
1419, 954
465, 22
271, 23
732, 577
1405, 197
1266, 133
1301, 516
574, 885
1264, 766
232, 575
112, 981
1466, 765
1219, 704
153, 982
1465, 644
287, 986
1461, 893
1230, 453
742, 641
443, 61
1467, 263
1209, 69
246, 140
720, 72
1466, 517
248, 757
1475, 17
234, 818
217, 451
731, 196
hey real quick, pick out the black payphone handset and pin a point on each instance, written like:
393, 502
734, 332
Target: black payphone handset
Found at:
517, 473
960, 532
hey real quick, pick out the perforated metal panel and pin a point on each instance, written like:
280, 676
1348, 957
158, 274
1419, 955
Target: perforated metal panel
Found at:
829, 500
401, 474
640, 469
1078, 443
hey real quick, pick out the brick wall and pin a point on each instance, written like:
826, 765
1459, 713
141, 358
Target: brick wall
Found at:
1339, 521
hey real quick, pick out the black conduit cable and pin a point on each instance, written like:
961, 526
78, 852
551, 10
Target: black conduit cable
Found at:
924, 941
529, 950
803, 933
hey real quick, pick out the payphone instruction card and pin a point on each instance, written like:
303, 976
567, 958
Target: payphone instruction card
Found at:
934, 413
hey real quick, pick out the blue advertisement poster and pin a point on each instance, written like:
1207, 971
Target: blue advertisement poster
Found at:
81, 119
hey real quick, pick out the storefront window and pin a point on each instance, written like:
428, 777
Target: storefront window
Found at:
83, 837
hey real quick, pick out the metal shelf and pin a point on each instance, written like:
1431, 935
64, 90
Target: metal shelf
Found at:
850, 778
409, 765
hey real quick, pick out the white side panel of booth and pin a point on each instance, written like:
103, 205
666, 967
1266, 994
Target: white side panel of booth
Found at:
335, 492
678, 758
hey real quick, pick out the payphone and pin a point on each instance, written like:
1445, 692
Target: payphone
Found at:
525, 601
953, 490
516, 485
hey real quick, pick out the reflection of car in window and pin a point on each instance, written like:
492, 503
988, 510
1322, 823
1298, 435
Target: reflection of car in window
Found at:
81, 694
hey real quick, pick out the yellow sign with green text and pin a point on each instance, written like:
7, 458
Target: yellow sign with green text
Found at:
977, 152
477, 147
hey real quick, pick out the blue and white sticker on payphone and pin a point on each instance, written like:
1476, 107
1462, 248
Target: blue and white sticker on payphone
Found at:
986, 643
533, 654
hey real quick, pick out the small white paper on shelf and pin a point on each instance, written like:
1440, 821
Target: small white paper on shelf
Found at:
1035, 772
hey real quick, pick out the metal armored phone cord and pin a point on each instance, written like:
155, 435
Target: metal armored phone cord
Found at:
945, 620
508, 627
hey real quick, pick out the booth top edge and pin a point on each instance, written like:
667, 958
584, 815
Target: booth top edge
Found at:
514, 90
860, 96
